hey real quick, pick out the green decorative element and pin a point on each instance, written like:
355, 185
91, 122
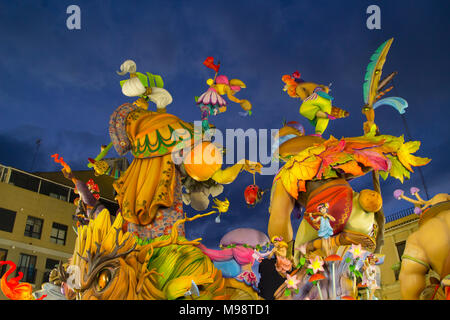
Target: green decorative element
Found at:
309, 271
329, 173
258, 247
249, 112
155, 80
196, 98
370, 71
343, 158
352, 268
398, 171
101, 155
348, 260
142, 77
296, 291
287, 292
396, 266
384, 174
161, 145
426, 265
162, 150
302, 261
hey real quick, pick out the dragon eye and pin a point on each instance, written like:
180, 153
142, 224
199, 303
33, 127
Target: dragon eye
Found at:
103, 279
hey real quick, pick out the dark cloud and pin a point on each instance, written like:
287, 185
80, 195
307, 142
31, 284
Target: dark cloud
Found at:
18, 148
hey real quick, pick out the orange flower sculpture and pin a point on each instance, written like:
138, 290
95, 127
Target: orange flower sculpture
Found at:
13, 289
350, 158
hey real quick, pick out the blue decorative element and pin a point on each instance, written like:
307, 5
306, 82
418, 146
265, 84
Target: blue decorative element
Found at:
193, 291
397, 103
325, 95
380, 259
325, 230
229, 268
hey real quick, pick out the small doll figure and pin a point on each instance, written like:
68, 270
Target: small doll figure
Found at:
325, 230
370, 274
283, 264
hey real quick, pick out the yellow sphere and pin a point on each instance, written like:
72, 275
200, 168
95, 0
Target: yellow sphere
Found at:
370, 200
203, 161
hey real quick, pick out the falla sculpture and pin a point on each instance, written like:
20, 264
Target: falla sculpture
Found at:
141, 252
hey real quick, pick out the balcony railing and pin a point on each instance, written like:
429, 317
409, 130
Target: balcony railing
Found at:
44, 186
400, 214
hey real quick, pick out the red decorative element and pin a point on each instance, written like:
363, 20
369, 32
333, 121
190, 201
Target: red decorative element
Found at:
209, 62
316, 277
14, 290
340, 199
252, 194
296, 75
93, 187
60, 160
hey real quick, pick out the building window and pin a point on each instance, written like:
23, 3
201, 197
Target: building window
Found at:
27, 265
396, 267
7, 218
400, 248
23, 180
33, 228
3, 255
50, 264
54, 190
59, 233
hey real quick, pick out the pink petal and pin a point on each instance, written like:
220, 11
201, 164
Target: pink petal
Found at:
377, 161
213, 98
201, 98
222, 101
207, 98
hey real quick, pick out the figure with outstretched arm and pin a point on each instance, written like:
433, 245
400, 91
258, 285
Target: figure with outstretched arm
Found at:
88, 205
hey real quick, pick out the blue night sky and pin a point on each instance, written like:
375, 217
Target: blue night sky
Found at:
61, 85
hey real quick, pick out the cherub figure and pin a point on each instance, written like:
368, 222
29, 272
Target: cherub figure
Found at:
317, 104
211, 102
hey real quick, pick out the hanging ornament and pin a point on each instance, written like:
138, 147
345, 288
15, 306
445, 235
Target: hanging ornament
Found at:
253, 194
